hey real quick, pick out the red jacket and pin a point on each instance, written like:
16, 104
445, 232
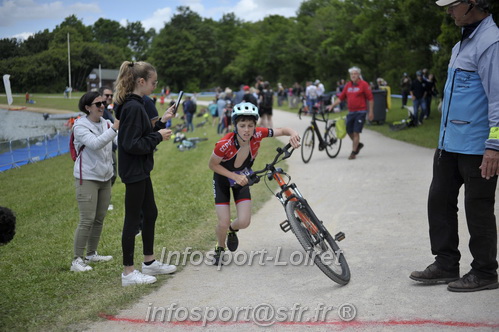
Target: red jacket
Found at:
356, 95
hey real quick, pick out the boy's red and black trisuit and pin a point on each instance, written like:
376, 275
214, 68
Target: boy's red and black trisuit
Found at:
227, 149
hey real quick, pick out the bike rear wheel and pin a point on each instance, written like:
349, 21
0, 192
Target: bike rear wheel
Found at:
321, 247
333, 143
307, 145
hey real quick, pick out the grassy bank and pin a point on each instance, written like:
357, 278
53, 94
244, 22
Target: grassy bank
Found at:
37, 290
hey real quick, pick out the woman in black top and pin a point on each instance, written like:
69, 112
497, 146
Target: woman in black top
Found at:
137, 140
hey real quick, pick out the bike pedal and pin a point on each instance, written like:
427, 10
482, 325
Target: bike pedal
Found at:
340, 236
285, 226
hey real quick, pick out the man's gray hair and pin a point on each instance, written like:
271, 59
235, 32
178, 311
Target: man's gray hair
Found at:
483, 5
357, 69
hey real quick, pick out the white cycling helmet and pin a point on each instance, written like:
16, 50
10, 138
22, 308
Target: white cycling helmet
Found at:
244, 108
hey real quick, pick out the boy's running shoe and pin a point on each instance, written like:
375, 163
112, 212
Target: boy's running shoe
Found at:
232, 240
217, 258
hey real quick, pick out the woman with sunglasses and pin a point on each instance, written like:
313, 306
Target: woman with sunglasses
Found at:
93, 170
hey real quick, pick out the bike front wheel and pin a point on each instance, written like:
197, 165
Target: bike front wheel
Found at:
321, 247
307, 145
333, 143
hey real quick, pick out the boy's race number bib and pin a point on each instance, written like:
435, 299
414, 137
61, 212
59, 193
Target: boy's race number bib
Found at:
246, 171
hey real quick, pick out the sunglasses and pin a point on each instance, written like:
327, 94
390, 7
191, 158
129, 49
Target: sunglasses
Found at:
99, 103
109, 96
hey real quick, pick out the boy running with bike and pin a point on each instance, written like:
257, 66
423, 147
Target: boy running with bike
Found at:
231, 161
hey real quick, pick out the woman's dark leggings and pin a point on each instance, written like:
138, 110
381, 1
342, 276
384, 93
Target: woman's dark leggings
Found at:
139, 197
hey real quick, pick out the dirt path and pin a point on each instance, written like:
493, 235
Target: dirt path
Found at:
379, 201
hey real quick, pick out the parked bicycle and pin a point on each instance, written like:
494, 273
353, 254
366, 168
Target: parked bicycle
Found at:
187, 143
311, 232
329, 141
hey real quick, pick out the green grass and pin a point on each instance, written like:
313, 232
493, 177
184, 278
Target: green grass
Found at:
425, 135
58, 102
37, 290
53, 101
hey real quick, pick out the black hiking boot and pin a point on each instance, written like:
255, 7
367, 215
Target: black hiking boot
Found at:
433, 274
471, 283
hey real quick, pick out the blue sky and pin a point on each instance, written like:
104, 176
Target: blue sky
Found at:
20, 18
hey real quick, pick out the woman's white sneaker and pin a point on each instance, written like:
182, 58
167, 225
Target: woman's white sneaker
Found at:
136, 278
157, 268
98, 258
78, 265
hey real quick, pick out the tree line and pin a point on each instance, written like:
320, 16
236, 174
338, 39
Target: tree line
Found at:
385, 38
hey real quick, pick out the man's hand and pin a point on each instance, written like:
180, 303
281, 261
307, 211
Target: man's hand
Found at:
490, 164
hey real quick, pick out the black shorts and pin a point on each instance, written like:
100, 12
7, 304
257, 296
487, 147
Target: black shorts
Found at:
265, 111
221, 191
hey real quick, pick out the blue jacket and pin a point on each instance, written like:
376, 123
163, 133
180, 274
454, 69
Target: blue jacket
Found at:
470, 109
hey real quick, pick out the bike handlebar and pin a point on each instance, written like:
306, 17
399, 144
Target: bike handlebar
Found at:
255, 176
314, 113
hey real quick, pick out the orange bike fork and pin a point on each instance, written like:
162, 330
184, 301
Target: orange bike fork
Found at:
289, 194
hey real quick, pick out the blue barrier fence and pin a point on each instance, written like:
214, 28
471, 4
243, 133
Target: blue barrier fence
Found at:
20, 152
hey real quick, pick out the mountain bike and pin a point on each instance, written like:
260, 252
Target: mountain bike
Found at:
311, 232
329, 141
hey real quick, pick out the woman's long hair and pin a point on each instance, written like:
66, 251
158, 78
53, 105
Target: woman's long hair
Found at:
129, 73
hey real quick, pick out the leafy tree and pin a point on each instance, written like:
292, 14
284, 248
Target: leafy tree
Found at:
9, 47
36, 43
230, 38
139, 40
383, 37
77, 31
109, 32
183, 53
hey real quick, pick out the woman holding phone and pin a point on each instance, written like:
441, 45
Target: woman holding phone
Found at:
136, 144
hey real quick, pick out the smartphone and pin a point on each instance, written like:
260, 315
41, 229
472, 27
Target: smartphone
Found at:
177, 103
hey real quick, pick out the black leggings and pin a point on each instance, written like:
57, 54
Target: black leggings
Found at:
139, 196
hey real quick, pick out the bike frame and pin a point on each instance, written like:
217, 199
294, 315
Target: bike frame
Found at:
315, 127
290, 192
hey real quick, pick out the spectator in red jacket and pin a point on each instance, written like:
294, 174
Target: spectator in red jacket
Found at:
356, 92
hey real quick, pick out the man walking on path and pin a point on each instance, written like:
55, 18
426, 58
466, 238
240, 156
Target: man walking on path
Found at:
468, 153
356, 92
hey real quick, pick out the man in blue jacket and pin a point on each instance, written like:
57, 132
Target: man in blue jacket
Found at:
468, 153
